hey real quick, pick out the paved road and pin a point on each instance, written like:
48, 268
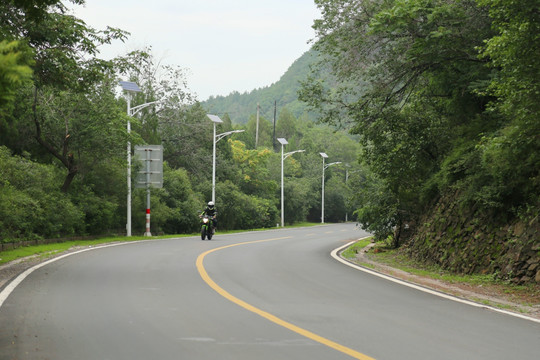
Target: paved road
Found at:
262, 295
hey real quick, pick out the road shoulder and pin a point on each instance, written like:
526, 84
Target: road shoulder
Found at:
495, 296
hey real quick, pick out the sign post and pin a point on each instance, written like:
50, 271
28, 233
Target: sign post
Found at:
150, 174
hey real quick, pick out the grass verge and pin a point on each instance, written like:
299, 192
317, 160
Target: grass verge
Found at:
351, 251
485, 284
56, 248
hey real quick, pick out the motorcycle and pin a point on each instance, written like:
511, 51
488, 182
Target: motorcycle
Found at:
207, 228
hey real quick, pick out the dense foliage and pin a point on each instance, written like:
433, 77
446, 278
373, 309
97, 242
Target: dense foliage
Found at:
441, 97
445, 98
63, 139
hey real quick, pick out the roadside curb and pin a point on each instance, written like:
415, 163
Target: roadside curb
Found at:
336, 254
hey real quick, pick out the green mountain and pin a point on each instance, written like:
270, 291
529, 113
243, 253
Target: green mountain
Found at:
283, 92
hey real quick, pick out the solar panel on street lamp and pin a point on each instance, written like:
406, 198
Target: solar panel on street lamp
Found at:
215, 118
130, 86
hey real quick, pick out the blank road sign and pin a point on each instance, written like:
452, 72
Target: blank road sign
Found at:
150, 158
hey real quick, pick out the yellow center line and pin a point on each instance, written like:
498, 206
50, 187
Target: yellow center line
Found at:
204, 275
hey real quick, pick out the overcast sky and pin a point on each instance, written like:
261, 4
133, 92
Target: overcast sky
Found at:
227, 45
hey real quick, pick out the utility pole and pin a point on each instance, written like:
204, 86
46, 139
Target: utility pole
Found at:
257, 128
274, 136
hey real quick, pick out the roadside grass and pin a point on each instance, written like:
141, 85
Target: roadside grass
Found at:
351, 251
528, 295
47, 250
394, 258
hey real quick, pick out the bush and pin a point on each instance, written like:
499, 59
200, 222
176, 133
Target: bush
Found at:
101, 213
296, 193
30, 204
174, 208
378, 207
237, 210
17, 212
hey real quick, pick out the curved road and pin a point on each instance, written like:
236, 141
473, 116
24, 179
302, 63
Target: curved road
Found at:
260, 295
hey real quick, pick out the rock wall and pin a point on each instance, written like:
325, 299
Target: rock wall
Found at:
458, 240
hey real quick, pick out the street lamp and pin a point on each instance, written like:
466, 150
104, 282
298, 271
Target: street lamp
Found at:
284, 142
131, 87
324, 156
216, 120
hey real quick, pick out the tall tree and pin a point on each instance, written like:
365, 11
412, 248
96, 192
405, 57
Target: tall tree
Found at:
15, 71
80, 130
65, 65
512, 155
286, 124
253, 165
162, 83
408, 75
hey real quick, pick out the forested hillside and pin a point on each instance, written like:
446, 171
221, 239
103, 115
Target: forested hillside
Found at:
63, 139
445, 98
283, 93
441, 99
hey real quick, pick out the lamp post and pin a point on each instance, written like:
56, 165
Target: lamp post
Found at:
131, 87
324, 156
216, 120
284, 142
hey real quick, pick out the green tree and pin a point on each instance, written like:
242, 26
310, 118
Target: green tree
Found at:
174, 208
80, 130
15, 71
511, 156
66, 71
377, 206
165, 84
253, 166
187, 141
286, 125
297, 199
408, 78
65, 49
31, 207
265, 133
237, 210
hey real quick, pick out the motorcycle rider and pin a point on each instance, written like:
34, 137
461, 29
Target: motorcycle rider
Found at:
211, 211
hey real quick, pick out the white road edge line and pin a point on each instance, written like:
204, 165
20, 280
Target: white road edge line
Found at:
15, 282
335, 254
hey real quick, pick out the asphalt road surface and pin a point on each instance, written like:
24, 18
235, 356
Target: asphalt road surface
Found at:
259, 295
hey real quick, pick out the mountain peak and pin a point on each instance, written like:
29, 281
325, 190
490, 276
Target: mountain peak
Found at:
284, 93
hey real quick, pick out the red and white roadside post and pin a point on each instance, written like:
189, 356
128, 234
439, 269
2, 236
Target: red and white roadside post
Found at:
148, 172
148, 233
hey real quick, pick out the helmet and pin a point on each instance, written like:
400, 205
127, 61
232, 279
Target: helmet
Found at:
210, 204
